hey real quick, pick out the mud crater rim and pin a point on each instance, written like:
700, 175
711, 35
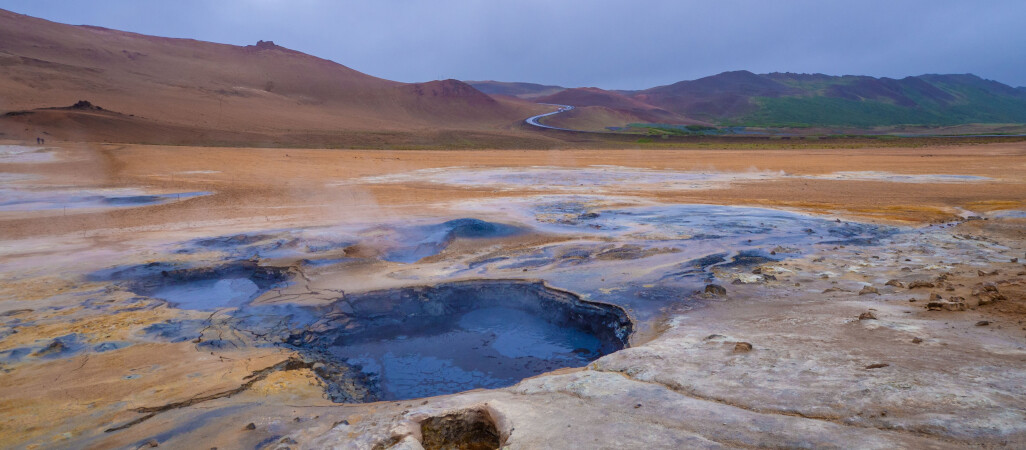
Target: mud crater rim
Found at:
430, 340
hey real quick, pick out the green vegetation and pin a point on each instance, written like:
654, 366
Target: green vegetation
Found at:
826, 111
699, 128
934, 101
820, 142
662, 129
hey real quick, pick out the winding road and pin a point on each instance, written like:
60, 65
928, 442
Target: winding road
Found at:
534, 120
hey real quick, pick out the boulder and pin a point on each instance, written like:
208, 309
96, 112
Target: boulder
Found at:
715, 289
987, 293
869, 290
920, 284
946, 306
894, 283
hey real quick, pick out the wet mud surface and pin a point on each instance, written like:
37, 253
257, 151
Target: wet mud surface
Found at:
253, 290
619, 179
58, 199
428, 341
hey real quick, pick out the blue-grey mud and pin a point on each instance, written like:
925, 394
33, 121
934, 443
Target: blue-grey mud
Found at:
528, 304
490, 330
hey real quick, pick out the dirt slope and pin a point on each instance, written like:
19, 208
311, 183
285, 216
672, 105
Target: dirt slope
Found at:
526, 91
262, 88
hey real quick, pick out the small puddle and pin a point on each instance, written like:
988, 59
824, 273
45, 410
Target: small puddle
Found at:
900, 177
35, 199
570, 179
1008, 214
209, 294
201, 288
21, 154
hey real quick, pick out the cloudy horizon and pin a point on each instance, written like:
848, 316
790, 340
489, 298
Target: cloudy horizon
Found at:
607, 44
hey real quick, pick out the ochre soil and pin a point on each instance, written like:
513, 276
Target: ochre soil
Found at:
802, 323
301, 184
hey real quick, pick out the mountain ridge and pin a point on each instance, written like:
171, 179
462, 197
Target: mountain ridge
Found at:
782, 99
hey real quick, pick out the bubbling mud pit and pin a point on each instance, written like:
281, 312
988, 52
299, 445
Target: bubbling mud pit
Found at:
391, 312
434, 340
437, 336
393, 344
440, 336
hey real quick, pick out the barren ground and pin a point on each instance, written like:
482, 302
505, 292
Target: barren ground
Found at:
92, 355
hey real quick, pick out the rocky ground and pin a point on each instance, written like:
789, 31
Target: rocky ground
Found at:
875, 312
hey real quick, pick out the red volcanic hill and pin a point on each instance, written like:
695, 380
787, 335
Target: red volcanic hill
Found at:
612, 108
182, 84
527, 91
592, 96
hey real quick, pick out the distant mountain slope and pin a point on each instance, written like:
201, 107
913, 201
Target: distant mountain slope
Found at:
867, 101
594, 97
716, 97
520, 90
790, 99
613, 105
601, 118
262, 88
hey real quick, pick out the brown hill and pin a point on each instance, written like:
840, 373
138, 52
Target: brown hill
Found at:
611, 105
592, 96
262, 89
526, 91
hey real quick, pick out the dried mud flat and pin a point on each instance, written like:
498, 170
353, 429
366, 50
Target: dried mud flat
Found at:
273, 298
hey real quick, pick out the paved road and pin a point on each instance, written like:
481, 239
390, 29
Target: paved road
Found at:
534, 120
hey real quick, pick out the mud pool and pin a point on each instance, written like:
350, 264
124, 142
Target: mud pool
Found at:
483, 317
427, 341
202, 288
446, 336
486, 348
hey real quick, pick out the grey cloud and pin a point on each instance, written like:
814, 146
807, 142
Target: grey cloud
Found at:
610, 44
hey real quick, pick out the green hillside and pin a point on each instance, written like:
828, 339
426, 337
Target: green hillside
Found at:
937, 100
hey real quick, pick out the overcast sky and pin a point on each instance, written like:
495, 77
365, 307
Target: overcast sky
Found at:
610, 44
